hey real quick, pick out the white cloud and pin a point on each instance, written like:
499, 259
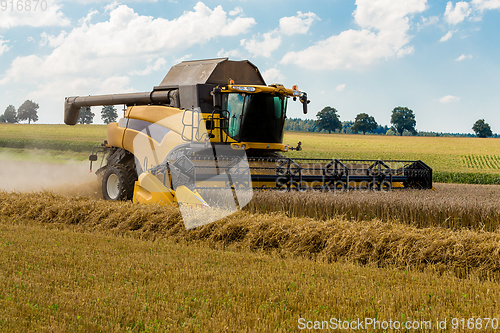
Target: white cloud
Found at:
273, 75
92, 58
340, 87
235, 54
384, 34
269, 42
428, 21
449, 99
127, 39
51, 16
53, 41
446, 37
463, 57
3, 45
236, 11
482, 5
458, 14
299, 24
105, 1
152, 67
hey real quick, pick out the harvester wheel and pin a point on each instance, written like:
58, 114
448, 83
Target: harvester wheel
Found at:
118, 183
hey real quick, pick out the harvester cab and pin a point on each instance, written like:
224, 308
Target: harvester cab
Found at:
215, 125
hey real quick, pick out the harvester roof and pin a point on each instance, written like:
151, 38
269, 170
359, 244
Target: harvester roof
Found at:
212, 71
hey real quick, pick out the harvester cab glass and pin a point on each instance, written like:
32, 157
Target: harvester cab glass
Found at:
254, 117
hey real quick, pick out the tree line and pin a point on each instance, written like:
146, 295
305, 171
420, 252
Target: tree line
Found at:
29, 111
108, 115
402, 119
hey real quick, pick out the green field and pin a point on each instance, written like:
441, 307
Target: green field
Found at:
452, 154
453, 159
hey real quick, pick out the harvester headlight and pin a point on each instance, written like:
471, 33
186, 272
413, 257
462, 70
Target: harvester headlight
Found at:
237, 146
243, 146
286, 148
249, 89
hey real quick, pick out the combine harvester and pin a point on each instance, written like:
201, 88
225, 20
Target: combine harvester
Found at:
215, 124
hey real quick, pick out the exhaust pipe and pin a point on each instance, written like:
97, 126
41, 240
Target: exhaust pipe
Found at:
72, 105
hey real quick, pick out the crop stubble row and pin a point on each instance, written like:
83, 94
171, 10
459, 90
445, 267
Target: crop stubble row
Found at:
381, 239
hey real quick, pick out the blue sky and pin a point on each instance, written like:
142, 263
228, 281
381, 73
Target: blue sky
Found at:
439, 58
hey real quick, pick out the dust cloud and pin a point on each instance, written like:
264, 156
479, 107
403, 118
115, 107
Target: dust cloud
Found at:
72, 178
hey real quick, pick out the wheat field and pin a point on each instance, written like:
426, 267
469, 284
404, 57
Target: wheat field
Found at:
75, 263
70, 261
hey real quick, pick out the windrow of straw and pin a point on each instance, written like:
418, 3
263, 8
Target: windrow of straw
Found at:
475, 207
370, 242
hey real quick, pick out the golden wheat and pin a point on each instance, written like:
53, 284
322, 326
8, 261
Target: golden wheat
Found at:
377, 242
475, 207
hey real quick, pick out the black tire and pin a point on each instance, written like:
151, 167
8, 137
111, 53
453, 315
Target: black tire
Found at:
118, 182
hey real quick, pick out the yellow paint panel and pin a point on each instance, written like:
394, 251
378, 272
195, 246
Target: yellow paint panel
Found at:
115, 135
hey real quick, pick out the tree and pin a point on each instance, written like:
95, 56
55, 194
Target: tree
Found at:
109, 114
328, 119
482, 129
86, 116
403, 119
10, 115
364, 123
28, 111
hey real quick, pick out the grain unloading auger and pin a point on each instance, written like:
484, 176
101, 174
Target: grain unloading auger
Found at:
215, 125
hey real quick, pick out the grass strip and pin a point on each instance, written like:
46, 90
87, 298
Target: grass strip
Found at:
63, 145
465, 178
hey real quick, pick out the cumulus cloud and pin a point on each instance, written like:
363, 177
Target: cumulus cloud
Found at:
482, 5
464, 57
340, 87
273, 75
449, 99
3, 45
105, 1
428, 21
236, 11
472, 10
100, 58
299, 24
235, 54
105, 47
52, 41
51, 16
383, 35
152, 67
458, 14
446, 37
262, 45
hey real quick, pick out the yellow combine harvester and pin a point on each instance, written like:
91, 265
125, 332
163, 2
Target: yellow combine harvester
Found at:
214, 124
